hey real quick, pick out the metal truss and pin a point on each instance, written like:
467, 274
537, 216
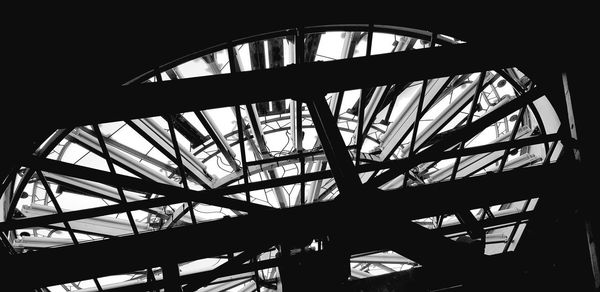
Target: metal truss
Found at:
170, 197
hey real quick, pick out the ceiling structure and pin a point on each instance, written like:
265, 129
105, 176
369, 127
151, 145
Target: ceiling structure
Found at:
289, 205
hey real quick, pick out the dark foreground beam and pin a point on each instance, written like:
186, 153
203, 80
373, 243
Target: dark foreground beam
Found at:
128, 254
264, 85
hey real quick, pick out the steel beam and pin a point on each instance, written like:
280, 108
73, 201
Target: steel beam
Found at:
403, 122
296, 124
111, 167
84, 138
138, 154
99, 225
474, 162
374, 104
215, 198
469, 94
32, 242
385, 258
156, 135
262, 85
417, 202
172, 194
218, 138
263, 150
221, 270
427, 157
341, 164
465, 133
221, 284
359, 274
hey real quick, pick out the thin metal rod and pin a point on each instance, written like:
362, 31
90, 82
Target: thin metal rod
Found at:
6, 243
472, 110
111, 167
338, 105
369, 40
416, 126
217, 137
300, 148
361, 116
299, 45
464, 215
8, 179
59, 211
513, 134
291, 157
175, 195
550, 152
240, 127
56, 205
22, 184
514, 230
180, 165
540, 123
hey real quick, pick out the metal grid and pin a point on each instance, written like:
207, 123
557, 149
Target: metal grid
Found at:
328, 172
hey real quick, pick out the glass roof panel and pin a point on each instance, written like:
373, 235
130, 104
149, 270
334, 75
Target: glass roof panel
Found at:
281, 145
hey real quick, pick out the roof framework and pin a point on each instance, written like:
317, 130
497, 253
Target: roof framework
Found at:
404, 180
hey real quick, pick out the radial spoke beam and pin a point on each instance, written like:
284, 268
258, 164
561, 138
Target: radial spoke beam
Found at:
458, 104
160, 139
473, 163
218, 138
385, 258
83, 137
143, 157
465, 133
108, 226
403, 122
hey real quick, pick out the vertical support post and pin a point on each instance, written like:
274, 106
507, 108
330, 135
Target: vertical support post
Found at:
299, 45
300, 148
570, 114
299, 53
241, 141
171, 277
359, 136
234, 67
361, 104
